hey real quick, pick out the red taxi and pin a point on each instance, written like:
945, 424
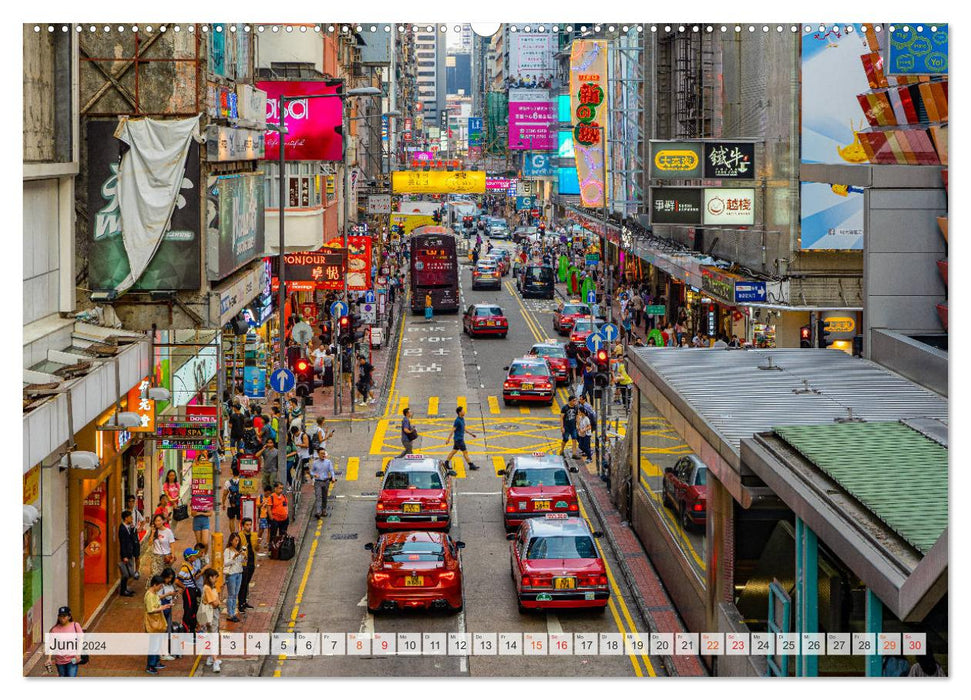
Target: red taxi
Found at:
529, 379
500, 262
564, 318
555, 564
486, 273
685, 489
536, 485
555, 354
582, 328
416, 494
414, 570
485, 319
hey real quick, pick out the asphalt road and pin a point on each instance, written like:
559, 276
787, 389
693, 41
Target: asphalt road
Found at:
437, 368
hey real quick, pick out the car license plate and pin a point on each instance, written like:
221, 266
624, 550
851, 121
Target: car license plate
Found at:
564, 583
412, 508
414, 580
541, 505
589, 596
527, 386
491, 323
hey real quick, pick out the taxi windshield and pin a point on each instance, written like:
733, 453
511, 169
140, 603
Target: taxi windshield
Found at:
549, 351
540, 477
413, 551
413, 480
583, 324
571, 309
561, 547
701, 477
524, 369
488, 311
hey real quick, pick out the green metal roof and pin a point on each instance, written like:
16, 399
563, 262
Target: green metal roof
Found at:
893, 470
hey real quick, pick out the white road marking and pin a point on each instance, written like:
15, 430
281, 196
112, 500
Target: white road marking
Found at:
479, 493
553, 625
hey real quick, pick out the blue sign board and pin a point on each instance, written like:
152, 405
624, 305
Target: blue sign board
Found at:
525, 203
369, 297
917, 53
538, 165
475, 123
749, 291
609, 331
338, 309
591, 297
254, 382
282, 381
595, 341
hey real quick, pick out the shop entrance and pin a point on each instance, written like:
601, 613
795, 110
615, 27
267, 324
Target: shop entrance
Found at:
95, 548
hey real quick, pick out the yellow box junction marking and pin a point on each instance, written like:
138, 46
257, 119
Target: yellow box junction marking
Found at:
353, 465
498, 464
494, 405
433, 405
402, 404
460, 401
458, 464
524, 410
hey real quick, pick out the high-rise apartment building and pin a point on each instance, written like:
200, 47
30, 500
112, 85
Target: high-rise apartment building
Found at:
430, 54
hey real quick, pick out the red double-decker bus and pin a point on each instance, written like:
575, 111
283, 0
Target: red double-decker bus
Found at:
434, 269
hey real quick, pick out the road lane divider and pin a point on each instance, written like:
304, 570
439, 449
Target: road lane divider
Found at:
432, 405
498, 464
493, 405
353, 466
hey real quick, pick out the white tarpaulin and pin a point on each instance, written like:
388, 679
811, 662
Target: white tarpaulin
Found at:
149, 181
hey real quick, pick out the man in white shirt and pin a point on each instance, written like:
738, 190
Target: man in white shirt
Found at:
322, 472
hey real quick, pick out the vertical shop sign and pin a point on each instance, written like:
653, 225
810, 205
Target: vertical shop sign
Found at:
95, 535
203, 485
235, 230
138, 402
588, 93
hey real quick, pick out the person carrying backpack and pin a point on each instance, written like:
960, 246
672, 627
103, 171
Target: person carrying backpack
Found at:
319, 436
232, 502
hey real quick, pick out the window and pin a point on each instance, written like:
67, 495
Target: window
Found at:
305, 184
540, 477
413, 480
523, 369
488, 311
413, 551
549, 351
561, 547
701, 476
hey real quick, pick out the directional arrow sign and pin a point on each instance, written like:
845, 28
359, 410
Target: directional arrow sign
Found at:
595, 341
338, 309
282, 381
609, 332
369, 297
591, 297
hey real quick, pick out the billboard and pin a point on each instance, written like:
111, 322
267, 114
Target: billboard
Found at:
913, 52
727, 207
568, 182
235, 223
711, 160
676, 160
831, 217
531, 117
676, 205
588, 102
324, 267
313, 124
439, 182
538, 165
832, 76
530, 61
177, 263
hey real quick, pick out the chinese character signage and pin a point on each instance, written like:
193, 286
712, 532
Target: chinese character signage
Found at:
676, 205
588, 90
746, 292
724, 206
831, 217
730, 160
439, 182
531, 63
203, 491
719, 284
186, 435
324, 268
312, 124
676, 160
379, 204
531, 117
144, 407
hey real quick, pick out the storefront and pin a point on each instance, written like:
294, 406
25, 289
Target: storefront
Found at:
32, 560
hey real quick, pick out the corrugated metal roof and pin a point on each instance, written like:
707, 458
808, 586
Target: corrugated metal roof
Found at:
736, 399
893, 470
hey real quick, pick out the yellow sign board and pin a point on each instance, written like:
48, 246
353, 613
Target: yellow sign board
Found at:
679, 161
32, 485
439, 182
839, 324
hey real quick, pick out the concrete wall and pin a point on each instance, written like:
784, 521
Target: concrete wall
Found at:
54, 558
38, 95
289, 47
41, 256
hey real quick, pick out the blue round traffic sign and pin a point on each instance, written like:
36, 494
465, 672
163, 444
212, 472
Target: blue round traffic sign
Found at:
609, 332
369, 297
591, 297
595, 341
338, 309
282, 381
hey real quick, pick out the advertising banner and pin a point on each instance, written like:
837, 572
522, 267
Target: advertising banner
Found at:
177, 262
358, 263
379, 204
676, 205
203, 493
588, 94
438, 182
530, 61
525, 203
312, 124
254, 382
186, 435
235, 227
730, 160
225, 144
568, 183
538, 165
144, 407
193, 376
676, 160
724, 206
324, 268
499, 183
423, 156
96, 535
719, 284
832, 76
910, 52
831, 217
531, 117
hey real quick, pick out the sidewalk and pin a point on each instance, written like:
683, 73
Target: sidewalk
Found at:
266, 595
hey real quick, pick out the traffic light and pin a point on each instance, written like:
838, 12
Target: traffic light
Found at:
602, 360
437, 216
805, 337
303, 369
823, 337
343, 330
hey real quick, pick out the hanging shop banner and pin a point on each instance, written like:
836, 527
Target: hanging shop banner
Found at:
313, 124
531, 120
203, 493
525, 203
96, 535
676, 205
499, 183
358, 263
719, 284
676, 160
324, 268
138, 402
186, 435
176, 263
588, 94
224, 144
832, 77
727, 207
831, 217
438, 182
379, 204
913, 52
531, 63
235, 227
747, 292
251, 107
193, 377
254, 382
730, 160
538, 165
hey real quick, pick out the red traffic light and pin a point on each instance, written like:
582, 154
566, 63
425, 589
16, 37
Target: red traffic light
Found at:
601, 356
344, 321
804, 333
302, 365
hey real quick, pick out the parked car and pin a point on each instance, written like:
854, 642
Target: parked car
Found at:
684, 489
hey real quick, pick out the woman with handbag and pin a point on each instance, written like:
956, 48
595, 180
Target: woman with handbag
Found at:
171, 488
210, 607
154, 622
233, 560
67, 664
161, 538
